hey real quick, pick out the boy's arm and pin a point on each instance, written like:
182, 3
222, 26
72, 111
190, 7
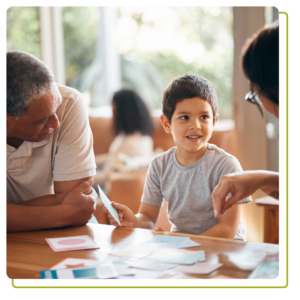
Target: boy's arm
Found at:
227, 224
145, 218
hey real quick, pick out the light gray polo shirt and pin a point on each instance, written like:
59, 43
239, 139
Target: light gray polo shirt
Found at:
67, 154
188, 189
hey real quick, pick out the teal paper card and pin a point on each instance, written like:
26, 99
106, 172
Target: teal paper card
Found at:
109, 206
168, 239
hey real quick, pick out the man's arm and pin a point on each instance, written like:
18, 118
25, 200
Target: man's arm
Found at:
227, 224
61, 188
72, 204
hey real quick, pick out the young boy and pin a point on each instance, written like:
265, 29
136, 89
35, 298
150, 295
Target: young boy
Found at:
186, 175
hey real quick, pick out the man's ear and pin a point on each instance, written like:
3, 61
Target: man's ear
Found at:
165, 123
217, 117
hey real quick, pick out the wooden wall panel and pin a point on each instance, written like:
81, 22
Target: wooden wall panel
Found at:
250, 126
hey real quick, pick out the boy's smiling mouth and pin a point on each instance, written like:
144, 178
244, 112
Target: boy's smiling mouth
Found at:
193, 137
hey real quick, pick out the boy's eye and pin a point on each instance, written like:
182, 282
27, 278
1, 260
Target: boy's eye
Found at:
184, 118
204, 117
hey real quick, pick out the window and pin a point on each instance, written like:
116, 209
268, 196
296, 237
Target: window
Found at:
166, 42
23, 30
154, 46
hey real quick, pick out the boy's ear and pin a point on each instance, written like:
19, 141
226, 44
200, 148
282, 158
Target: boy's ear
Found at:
165, 123
217, 117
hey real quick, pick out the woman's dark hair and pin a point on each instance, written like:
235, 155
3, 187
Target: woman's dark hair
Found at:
260, 61
131, 113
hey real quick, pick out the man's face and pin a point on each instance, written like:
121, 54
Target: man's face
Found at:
191, 126
38, 122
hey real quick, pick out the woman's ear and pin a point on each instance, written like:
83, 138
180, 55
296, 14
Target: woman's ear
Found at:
165, 123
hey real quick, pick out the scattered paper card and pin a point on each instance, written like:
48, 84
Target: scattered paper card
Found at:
188, 244
150, 265
71, 243
181, 242
124, 270
109, 206
162, 252
159, 245
199, 268
268, 268
75, 263
135, 251
144, 274
183, 258
102, 271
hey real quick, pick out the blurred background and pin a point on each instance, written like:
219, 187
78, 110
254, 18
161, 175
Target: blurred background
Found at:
99, 50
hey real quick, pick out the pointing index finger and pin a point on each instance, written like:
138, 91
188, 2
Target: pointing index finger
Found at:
219, 198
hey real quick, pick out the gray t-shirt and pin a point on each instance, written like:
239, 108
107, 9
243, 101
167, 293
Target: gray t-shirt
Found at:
188, 189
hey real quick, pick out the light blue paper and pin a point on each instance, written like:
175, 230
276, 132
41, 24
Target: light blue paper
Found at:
168, 239
183, 258
109, 206
160, 245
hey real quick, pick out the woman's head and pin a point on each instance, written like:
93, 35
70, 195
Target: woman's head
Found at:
260, 62
131, 113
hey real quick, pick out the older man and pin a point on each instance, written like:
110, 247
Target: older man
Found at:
50, 159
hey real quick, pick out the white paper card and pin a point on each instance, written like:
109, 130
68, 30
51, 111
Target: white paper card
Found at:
109, 206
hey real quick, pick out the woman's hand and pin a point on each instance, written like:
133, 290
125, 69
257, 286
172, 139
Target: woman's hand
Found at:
239, 185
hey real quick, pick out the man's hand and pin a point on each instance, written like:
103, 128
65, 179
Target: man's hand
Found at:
79, 204
126, 216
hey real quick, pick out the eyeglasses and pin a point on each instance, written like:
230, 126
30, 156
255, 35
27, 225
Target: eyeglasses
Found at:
254, 99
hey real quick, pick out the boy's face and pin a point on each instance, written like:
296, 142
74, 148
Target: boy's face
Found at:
191, 127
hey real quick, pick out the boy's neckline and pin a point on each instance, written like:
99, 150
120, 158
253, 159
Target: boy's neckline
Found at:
190, 166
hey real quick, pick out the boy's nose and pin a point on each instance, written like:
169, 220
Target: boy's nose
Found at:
196, 124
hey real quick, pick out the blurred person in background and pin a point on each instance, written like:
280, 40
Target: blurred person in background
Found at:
260, 62
133, 145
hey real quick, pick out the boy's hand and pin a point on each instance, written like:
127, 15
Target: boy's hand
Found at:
126, 216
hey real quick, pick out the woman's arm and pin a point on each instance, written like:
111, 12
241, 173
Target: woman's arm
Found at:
242, 185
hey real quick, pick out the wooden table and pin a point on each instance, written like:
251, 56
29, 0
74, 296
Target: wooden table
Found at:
28, 252
271, 219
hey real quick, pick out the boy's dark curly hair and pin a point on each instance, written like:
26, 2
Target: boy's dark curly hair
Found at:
186, 87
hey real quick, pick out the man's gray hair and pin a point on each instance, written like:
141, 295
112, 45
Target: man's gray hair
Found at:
28, 78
